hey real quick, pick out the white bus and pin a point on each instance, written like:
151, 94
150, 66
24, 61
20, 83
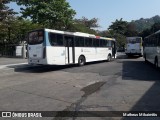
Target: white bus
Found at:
53, 47
134, 46
152, 49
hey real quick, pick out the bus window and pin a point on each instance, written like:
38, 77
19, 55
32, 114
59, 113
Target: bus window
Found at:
56, 39
88, 42
96, 42
79, 41
35, 37
138, 40
52, 39
59, 40
102, 43
109, 44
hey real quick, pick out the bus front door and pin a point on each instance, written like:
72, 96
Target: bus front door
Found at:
69, 48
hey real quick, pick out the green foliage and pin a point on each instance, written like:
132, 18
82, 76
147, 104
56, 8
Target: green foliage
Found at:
5, 12
105, 33
78, 27
143, 24
119, 26
84, 25
131, 30
155, 27
17, 30
92, 23
6, 17
119, 30
22, 26
55, 14
120, 40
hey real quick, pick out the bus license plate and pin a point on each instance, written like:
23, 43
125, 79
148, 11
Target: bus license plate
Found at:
34, 61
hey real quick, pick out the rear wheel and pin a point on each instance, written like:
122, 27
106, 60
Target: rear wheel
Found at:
81, 61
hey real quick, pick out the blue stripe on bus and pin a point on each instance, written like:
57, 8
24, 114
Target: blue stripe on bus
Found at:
46, 41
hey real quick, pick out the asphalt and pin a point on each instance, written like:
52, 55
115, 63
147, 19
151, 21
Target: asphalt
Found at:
5, 62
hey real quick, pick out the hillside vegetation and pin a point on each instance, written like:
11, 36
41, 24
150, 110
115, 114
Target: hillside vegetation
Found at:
145, 23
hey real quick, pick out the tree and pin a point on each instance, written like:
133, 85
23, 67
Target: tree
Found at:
119, 26
55, 14
92, 23
6, 18
22, 26
131, 30
118, 30
120, 40
155, 27
78, 27
5, 12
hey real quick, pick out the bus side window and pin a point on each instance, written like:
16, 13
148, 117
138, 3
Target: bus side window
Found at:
52, 39
104, 43
88, 42
100, 42
79, 41
59, 40
109, 44
96, 42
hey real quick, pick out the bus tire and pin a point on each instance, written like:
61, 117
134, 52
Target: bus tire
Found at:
81, 60
109, 58
156, 62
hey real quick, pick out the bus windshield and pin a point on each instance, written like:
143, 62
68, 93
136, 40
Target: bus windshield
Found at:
133, 41
35, 37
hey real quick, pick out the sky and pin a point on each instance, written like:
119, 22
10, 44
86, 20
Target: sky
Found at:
107, 11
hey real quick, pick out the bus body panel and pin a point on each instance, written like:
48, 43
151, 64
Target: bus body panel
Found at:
55, 55
152, 48
35, 51
92, 54
151, 53
134, 48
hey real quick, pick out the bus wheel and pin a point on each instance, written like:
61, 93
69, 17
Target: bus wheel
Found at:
109, 58
81, 61
156, 62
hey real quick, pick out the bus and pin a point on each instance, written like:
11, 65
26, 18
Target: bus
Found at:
54, 47
152, 48
134, 46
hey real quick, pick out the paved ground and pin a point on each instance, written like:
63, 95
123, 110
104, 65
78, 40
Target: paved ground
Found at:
6, 61
126, 84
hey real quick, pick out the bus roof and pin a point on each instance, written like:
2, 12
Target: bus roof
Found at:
79, 34
158, 32
106, 38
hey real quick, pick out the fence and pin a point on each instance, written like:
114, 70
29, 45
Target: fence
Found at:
13, 50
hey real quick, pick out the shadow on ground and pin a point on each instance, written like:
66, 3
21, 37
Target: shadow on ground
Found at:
141, 71
48, 68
